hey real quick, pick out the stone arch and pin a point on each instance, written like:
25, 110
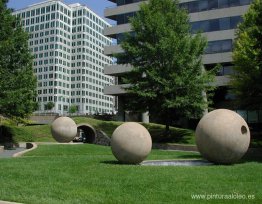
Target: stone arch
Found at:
88, 132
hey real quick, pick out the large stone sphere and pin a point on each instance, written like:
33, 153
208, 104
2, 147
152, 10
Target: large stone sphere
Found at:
222, 136
131, 143
64, 129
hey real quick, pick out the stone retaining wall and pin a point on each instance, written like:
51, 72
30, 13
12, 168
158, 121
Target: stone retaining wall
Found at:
102, 138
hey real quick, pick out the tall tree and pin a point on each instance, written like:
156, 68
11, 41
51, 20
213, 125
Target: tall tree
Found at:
247, 57
17, 81
168, 78
50, 105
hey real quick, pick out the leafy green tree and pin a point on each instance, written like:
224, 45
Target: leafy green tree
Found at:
72, 109
247, 57
168, 78
17, 82
50, 105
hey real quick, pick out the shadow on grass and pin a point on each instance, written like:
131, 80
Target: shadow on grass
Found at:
115, 162
189, 157
251, 158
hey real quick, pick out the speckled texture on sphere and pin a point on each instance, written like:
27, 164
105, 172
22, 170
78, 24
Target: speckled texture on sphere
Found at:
131, 143
222, 136
64, 129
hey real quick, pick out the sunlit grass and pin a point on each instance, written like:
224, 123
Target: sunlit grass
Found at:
90, 174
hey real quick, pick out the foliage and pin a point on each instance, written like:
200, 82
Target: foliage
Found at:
247, 57
50, 105
104, 116
168, 78
72, 109
17, 82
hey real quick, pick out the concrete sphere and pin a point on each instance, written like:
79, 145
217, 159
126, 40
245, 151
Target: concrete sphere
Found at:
131, 143
64, 129
222, 136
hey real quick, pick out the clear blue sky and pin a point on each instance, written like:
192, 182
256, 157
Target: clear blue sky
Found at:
97, 6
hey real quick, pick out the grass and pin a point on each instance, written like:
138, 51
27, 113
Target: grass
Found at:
41, 133
54, 174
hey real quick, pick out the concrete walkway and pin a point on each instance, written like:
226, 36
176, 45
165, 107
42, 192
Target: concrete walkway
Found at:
6, 202
18, 151
10, 153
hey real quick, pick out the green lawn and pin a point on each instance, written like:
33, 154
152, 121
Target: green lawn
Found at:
90, 174
41, 133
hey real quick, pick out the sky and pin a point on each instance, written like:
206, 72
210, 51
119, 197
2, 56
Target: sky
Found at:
97, 6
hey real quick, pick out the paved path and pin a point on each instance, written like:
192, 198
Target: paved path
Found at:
10, 153
6, 202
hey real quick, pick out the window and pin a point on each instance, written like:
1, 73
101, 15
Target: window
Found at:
219, 46
216, 24
42, 10
203, 5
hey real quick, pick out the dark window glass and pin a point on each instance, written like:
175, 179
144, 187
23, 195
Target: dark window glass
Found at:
212, 4
214, 25
234, 21
226, 46
223, 3
202, 26
203, 5
193, 7
228, 70
245, 2
234, 2
224, 23
219, 46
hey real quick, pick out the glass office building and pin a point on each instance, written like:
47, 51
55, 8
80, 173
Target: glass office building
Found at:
217, 19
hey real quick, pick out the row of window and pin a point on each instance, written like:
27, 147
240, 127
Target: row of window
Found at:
58, 7
67, 79
194, 6
89, 33
91, 109
75, 100
53, 16
124, 2
204, 5
216, 24
68, 57
75, 71
219, 46
68, 64
84, 100
73, 93
89, 48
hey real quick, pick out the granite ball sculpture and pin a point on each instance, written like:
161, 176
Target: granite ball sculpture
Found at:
64, 129
131, 143
222, 136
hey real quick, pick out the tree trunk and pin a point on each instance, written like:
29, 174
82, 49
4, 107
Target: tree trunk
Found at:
168, 122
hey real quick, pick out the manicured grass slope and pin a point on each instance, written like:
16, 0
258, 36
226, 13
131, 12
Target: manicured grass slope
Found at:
89, 174
41, 133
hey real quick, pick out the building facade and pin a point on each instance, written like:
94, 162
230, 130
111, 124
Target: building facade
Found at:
217, 19
68, 46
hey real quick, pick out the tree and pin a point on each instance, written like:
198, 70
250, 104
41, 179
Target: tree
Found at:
17, 82
168, 78
247, 58
73, 109
50, 105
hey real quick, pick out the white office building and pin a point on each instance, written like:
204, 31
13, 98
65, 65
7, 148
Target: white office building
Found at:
68, 44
